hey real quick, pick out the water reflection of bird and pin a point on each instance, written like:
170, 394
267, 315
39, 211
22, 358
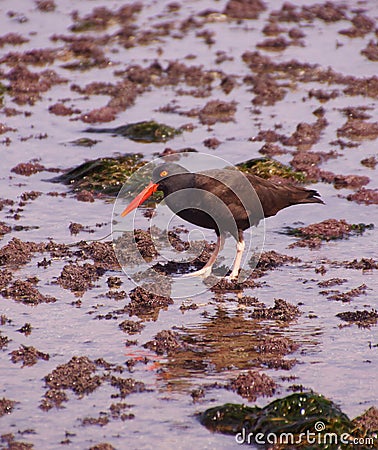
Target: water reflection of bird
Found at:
225, 200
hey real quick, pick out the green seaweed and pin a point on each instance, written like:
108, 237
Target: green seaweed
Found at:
146, 131
87, 25
3, 90
360, 228
268, 167
82, 65
307, 420
84, 142
106, 175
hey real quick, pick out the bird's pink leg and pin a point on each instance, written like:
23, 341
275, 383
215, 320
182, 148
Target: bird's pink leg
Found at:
240, 246
206, 269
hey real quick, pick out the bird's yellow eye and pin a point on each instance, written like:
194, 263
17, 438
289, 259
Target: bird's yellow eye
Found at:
163, 173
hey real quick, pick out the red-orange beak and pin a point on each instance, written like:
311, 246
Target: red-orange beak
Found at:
140, 198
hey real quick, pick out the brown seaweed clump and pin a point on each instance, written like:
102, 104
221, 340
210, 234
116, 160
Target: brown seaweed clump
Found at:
77, 375
165, 342
4, 229
127, 386
357, 129
4, 341
216, 111
26, 86
253, 384
6, 406
345, 296
363, 319
281, 311
271, 260
131, 326
25, 292
28, 356
147, 303
366, 196
27, 169
370, 162
330, 229
17, 252
79, 278
244, 9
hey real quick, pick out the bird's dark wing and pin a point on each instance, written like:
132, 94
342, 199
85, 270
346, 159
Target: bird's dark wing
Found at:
275, 197
234, 189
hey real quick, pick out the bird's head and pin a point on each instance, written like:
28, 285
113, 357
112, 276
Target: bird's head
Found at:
160, 175
164, 171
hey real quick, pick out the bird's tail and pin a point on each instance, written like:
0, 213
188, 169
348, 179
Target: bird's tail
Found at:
302, 195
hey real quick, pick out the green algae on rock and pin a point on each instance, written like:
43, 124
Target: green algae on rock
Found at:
146, 131
105, 175
267, 168
84, 142
306, 420
3, 90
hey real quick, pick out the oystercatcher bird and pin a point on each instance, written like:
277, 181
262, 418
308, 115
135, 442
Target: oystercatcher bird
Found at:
225, 200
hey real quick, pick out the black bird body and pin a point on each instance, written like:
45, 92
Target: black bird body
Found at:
247, 206
211, 199
225, 200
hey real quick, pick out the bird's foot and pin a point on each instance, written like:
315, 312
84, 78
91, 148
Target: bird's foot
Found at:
203, 273
233, 276
231, 279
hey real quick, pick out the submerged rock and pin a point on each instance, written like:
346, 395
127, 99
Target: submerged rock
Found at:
300, 419
146, 131
105, 175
